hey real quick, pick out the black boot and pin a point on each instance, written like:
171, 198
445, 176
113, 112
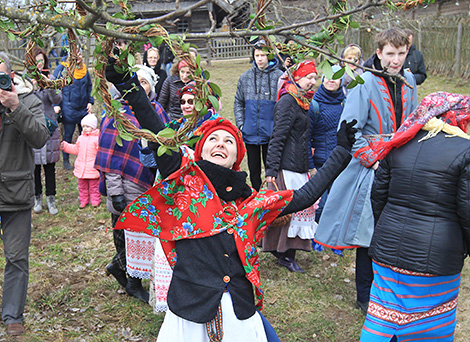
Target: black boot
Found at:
117, 273
134, 288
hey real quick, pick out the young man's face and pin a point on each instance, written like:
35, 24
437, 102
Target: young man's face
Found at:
392, 58
261, 59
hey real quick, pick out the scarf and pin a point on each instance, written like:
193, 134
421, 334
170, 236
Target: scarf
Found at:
186, 205
437, 112
302, 98
79, 72
123, 160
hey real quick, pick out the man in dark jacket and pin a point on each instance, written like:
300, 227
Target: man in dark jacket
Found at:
254, 107
22, 128
415, 61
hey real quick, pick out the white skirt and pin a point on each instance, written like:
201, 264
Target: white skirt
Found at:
139, 254
302, 223
177, 329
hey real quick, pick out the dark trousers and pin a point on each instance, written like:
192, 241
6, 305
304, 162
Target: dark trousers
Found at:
49, 173
120, 245
69, 129
364, 274
16, 236
255, 153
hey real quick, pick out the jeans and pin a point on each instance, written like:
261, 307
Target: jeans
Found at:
16, 236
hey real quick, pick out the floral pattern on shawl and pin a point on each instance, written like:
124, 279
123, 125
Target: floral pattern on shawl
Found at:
185, 205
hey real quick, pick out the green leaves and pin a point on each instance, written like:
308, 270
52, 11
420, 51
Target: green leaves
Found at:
156, 41
214, 101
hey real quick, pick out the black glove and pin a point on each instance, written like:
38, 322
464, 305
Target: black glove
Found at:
119, 202
112, 75
345, 135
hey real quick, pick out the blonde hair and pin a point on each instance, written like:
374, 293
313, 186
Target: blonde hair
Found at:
352, 51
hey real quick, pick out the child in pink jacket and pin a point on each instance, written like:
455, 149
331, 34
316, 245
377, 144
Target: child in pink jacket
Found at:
85, 149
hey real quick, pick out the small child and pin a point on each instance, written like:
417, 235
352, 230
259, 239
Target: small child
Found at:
85, 149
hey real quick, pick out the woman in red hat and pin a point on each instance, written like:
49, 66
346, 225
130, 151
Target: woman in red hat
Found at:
210, 221
288, 163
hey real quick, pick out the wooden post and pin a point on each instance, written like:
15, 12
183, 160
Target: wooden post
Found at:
459, 47
420, 47
209, 52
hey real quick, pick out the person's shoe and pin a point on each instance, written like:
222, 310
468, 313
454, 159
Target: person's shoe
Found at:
297, 267
83, 205
67, 165
15, 329
37, 204
134, 288
363, 306
116, 272
50, 200
287, 263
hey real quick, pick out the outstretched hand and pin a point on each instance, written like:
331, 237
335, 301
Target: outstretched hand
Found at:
346, 134
112, 75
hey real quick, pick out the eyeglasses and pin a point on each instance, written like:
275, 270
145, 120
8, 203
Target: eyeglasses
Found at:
189, 101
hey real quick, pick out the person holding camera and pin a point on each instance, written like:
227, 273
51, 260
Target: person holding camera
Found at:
22, 128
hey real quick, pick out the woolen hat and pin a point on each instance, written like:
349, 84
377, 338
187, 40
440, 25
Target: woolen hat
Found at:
90, 120
303, 69
210, 126
148, 74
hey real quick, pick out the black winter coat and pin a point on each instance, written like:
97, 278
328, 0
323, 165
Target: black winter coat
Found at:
415, 62
290, 142
168, 98
421, 203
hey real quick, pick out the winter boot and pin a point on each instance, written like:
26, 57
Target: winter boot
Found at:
134, 288
50, 200
114, 270
67, 165
37, 203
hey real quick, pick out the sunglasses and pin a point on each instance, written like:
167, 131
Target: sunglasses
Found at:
189, 101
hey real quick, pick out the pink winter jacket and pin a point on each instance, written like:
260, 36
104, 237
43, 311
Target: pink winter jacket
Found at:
85, 149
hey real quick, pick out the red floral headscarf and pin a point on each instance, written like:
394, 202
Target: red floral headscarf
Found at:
210, 126
452, 109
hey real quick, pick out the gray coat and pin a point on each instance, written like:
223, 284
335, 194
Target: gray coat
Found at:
49, 153
20, 132
118, 185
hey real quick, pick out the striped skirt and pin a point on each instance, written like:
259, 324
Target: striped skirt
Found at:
410, 305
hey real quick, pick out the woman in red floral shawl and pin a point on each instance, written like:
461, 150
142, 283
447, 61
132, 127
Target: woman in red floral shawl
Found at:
210, 221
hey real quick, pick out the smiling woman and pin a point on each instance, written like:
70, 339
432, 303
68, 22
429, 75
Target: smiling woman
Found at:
209, 221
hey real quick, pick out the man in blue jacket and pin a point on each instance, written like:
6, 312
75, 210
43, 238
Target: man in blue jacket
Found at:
254, 104
379, 105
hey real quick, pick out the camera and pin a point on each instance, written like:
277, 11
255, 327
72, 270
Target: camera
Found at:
5, 81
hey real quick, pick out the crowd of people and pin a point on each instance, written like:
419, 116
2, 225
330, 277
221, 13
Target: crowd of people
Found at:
365, 168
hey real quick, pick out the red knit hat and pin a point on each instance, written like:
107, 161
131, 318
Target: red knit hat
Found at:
210, 126
303, 69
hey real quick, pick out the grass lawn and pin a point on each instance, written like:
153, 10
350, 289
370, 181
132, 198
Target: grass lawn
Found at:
71, 299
